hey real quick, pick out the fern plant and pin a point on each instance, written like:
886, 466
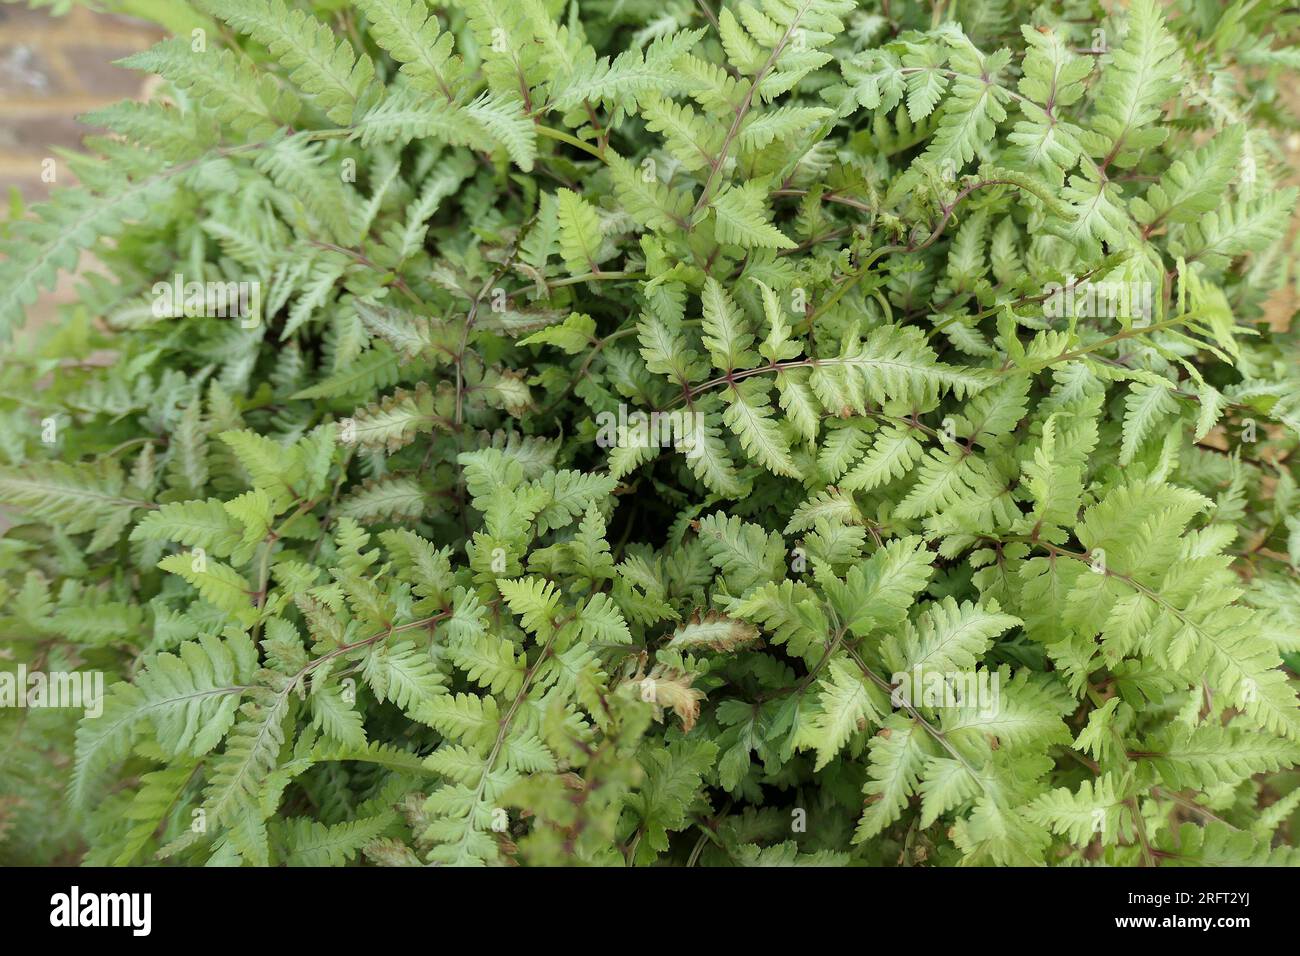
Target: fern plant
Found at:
775, 432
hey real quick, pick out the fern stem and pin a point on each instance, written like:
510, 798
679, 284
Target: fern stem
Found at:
709, 14
586, 365
355, 645
505, 722
570, 140
742, 110
915, 714
579, 280
994, 310
398, 282
828, 197
1139, 825
1128, 333
855, 277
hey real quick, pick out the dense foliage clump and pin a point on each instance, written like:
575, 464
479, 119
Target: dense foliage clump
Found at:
635, 432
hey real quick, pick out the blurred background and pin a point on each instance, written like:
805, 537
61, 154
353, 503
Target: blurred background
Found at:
53, 68
56, 62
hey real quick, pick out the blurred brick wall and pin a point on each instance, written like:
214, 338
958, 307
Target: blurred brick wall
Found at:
51, 70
